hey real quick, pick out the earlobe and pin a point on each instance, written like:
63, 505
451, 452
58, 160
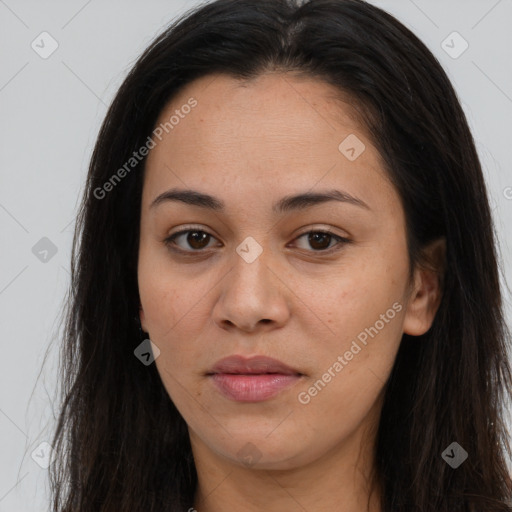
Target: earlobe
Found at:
426, 296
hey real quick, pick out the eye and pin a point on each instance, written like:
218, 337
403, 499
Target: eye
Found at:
321, 240
198, 239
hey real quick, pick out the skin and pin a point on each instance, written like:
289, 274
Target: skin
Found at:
250, 144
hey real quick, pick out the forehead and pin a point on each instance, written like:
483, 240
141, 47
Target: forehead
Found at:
278, 130
275, 106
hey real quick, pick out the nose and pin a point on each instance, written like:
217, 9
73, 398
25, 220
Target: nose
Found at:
253, 296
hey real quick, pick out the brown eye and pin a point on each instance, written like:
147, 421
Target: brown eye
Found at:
195, 238
320, 241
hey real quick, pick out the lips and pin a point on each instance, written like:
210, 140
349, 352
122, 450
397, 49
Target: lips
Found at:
256, 365
253, 379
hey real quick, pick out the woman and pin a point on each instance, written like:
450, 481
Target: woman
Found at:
285, 291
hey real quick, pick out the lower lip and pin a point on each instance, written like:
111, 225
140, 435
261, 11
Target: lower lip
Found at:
252, 388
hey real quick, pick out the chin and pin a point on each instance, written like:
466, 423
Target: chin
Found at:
260, 453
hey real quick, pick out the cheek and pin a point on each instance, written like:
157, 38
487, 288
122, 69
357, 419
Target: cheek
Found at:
172, 295
162, 299
175, 319
363, 311
357, 295
352, 366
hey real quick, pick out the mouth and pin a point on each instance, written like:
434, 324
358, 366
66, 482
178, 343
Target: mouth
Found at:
253, 373
252, 387
255, 365
252, 379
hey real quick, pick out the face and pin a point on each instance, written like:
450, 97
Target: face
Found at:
319, 284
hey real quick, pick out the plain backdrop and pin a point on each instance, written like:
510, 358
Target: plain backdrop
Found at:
51, 109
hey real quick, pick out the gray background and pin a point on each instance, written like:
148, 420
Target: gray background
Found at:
51, 110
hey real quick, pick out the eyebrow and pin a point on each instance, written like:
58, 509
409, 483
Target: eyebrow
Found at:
284, 205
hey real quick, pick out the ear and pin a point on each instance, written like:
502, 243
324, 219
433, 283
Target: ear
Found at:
426, 294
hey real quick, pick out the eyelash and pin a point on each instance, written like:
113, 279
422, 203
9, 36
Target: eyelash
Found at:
169, 241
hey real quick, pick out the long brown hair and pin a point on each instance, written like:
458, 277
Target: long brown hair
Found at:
121, 443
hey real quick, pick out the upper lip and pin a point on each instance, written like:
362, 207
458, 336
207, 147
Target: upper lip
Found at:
238, 364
